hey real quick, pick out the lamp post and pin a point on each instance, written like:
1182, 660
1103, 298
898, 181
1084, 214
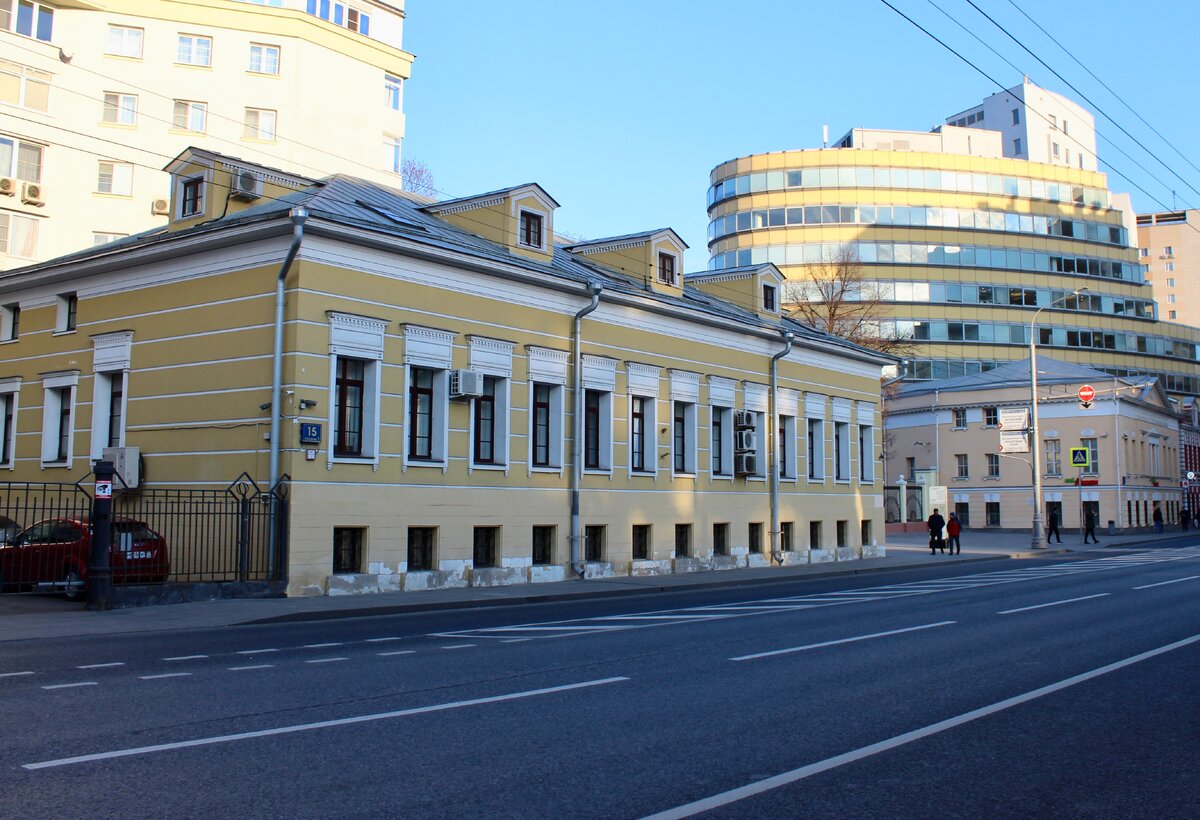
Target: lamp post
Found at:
1036, 541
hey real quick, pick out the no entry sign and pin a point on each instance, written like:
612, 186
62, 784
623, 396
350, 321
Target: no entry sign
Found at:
1087, 393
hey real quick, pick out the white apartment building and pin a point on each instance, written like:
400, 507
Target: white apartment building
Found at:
1037, 125
95, 101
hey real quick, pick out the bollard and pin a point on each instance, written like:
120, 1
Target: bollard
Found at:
99, 569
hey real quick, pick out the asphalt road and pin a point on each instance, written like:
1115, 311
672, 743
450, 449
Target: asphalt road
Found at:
1062, 687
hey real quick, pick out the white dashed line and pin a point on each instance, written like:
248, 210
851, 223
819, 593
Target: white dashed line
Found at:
100, 665
1052, 603
320, 645
1164, 583
253, 666
255, 651
381, 640
841, 641
14, 674
459, 646
516, 640
186, 658
70, 685
326, 660
397, 652
166, 675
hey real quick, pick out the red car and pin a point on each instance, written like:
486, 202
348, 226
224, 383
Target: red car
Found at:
53, 555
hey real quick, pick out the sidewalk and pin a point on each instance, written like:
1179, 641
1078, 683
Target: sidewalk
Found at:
52, 617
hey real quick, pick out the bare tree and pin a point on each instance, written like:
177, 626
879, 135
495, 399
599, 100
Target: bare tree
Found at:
416, 178
833, 295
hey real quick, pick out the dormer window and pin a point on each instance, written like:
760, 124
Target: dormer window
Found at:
768, 298
531, 230
666, 268
191, 197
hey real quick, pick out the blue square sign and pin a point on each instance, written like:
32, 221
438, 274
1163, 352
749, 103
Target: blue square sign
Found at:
310, 433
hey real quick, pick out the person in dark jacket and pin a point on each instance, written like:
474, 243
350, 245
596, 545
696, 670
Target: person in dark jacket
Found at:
1052, 527
936, 524
1089, 527
953, 530
1185, 518
1158, 519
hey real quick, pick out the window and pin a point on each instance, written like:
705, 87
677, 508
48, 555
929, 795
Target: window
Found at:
391, 153
593, 543
1055, 149
666, 268
349, 407
683, 438
787, 536
10, 322
1171, 282
991, 417
814, 535
57, 419
20, 159
785, 447
754, 537
8, 432
866, 453
721, 451
543, 545
683, 540
1169, 267
1017, 146
24, 86
108, 412
991, 512
1053, 456
124, 41
484, 552
993, 465
1168, 250
960, 418
120, 109
542, 424
31, 20
487, 424
910, 467
347, 550
264, 59
1053, 123
768, 298
67, 308
421, 414
191, 199
420, 548
841, 451
194, 50
1093, 446
531, 230
816, 448
259, 124
391, 92
864, 532
641, 420
1016, 116
641, 541
190, 116
1171, 314
115, 178
18, 235
358, 21
720, 539
597, 429
962, 465
340, 14
104, 237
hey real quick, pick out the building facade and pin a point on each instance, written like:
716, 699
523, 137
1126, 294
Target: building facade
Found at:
452, 386
1169, 247
959, 246
947, 432
94, 100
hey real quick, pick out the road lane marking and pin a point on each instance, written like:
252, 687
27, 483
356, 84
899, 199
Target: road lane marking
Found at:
327, 660
397, 652
509, 640
101, 665
459, 646
252, 666
14, 674
324, 724
840, 641
795, 775
1052, 603
255, 651
186, 658
380, 640
1164, 583
70, 685
165, 675
320, 645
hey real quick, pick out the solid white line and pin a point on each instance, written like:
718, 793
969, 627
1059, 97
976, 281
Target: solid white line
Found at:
680, 617
186, 658
742, 792
14, 674
320, 645
511, 640
100, 665
254, 666
1052, 603
166, 675
459, 646
324, 724
70, 685
327, 660
380, 640
841, 641
1164, 583
256, 651
397, 652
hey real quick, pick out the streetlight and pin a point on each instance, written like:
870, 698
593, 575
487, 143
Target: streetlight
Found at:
1036, 542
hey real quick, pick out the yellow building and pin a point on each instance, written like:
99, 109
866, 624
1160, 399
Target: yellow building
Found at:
459, 400
961, 245
96, 98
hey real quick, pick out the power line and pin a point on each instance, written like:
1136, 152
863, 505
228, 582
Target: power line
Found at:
979, 39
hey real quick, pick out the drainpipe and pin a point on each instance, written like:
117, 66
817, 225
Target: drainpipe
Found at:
773, 445
298, 215
577, 563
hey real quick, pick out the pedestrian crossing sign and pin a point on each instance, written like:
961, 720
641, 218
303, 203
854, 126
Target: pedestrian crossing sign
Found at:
1081, 457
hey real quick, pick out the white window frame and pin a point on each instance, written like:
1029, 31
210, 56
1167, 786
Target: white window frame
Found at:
129, 41
500, 437
392, 92
554, 453
760, 444
19, 232
841, 451
53, 385
10, 390
190, 109
866, 453
119, 175
493, 358
522, 212
962, 466
180, 184
124, 108
264, 59
605, 433
649, 435
431, 349
10, 320
104, 237
814, 448
356, 337
62, 312
25, 77
786, 458
392, 160
726, 443
689, 438
187, 51
111, 354
13, 168
257, 131
993, 465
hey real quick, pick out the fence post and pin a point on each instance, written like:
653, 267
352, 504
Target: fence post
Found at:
99, 570
243, 538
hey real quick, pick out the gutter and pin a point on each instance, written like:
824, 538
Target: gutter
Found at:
773, 445
578, 565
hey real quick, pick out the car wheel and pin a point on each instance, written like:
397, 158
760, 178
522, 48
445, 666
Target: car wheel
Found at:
75, 590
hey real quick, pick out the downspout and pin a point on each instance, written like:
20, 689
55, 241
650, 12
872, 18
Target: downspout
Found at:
1117, 446
577, 564
298, 215
773, 445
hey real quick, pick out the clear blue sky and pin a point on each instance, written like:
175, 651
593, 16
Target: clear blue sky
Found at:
620, 109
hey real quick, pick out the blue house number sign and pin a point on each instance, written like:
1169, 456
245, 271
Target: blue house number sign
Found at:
310, 433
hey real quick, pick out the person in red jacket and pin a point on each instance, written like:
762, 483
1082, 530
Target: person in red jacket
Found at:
953, 528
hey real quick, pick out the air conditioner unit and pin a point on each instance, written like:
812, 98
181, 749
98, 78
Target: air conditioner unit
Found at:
743, 441
160, 207
8, 186
33, 194
247, 186
465, 383
745, 464
127, 461
743, 418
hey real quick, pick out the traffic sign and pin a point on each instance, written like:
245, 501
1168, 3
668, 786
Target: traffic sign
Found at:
1081, 457
1014, 418
1087, 393
1191, 475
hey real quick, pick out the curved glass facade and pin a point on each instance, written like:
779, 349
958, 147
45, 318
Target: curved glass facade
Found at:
928, 369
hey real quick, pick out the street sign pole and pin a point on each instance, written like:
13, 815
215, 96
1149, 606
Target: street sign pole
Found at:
99, 570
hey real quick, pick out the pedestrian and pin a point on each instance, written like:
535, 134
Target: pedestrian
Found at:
1052, 527
953, 528
936, 523
1158, 519
1089, 527
1185, 518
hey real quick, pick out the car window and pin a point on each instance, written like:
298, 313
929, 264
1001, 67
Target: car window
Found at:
39, 533
134, 530
66, 531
